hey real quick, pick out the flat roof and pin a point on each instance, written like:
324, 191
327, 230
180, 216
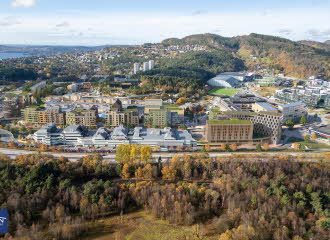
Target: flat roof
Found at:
292, 104
266, 106
232, 121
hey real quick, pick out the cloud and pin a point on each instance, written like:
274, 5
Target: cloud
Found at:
24, 3
199, 12
63, 24
316, 33
9, 21
285, 31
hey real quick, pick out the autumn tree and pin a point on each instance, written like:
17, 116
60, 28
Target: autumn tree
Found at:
169, 173
233, 147
126, 171
265, 147
313, 136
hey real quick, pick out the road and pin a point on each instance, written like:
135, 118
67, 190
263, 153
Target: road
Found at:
264, 156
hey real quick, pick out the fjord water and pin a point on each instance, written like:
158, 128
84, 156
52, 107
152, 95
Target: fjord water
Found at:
13, 55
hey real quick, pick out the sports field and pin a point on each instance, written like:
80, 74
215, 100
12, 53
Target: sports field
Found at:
224, 91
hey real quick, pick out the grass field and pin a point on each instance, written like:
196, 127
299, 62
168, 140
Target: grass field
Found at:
224, 91
141, 226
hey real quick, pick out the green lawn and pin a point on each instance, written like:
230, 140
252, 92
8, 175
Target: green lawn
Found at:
224, 91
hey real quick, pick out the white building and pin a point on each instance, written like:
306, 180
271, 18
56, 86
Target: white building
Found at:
151, 64
145, 66
293, 111
136, 68
76, 135
39, 86
225, 81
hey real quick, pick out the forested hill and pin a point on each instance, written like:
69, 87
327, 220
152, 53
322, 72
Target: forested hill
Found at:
299, 59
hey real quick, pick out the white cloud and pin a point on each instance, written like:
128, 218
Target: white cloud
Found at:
137, 27
9, 21
24, 3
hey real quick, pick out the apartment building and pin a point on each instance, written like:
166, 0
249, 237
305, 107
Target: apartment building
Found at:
293, 111
41, 116
123, 117
86, 117
158, 118
229, 131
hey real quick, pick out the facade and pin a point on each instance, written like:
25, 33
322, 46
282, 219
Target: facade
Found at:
159, 118
136, 68
49, 135
41, 116
151, 64
293, 111
84, 117
229, 131
312, 96
39, 86
123, 117
146, 66
265, 124
77, 135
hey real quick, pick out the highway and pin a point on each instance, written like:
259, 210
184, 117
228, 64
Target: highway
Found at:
110, 157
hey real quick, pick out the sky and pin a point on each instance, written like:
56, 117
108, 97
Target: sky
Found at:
100, 22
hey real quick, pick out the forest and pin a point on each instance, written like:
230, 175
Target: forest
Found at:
192, 69
53, 198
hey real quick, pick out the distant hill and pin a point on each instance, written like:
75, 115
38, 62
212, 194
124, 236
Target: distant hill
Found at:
46, 50
298, 59
324, 46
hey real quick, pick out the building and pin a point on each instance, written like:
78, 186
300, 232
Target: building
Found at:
49, 135
224, 81
293, 111
39, 86
79, 136
151, 64
265, 124
158, 118
86, 117
136, 68
263, 107
122, 117
229, 131
13, 103
146, 66
40, 116
311, 95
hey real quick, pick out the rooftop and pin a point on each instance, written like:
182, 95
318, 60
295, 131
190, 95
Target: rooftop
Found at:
232, 121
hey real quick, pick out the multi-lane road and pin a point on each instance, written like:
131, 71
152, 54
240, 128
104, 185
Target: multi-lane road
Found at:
110, 157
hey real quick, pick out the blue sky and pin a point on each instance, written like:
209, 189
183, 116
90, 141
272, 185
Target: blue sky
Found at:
97, 22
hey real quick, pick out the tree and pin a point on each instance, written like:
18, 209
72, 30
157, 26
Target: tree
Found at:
126, 173
314, 136
233, 147
289, 124
207, 147
258, 147
169, 173
296, 146
139, 173
306, 138
303, 120
147, 171
265, 147
223, 147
